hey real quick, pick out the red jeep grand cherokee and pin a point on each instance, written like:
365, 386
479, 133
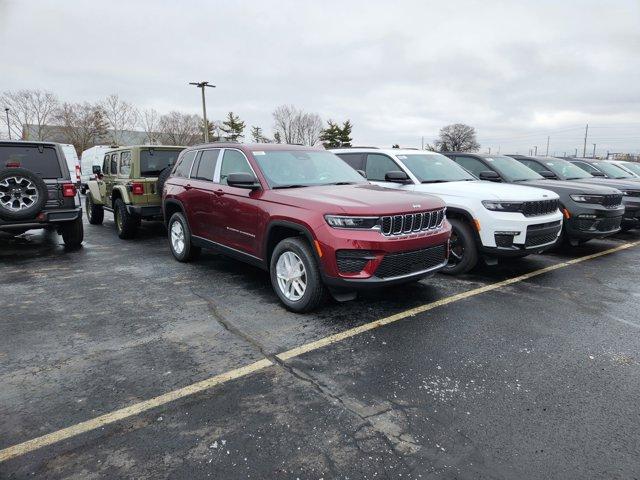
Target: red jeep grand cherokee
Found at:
305, 216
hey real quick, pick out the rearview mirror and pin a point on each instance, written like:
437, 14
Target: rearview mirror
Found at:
548, 174
96, 169
243, 180
597, 173
490, 175
396, 176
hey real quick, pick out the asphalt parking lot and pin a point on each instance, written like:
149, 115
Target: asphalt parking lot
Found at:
529, 369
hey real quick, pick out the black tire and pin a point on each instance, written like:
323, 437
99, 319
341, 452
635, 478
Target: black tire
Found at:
19, 185
315, 291
73, 233
464, 251
95, 213
189, 251
126, 224
162, 178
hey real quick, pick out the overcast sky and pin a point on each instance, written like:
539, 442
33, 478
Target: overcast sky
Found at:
517, 71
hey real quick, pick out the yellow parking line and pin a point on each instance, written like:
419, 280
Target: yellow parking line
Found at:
94, 423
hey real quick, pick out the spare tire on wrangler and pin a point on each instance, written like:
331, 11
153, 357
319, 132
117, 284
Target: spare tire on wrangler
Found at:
162, 178
23, 194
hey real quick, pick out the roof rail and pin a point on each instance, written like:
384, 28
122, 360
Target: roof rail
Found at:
352, 146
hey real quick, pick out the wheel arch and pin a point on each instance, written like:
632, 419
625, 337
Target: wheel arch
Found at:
465, 216
278, 230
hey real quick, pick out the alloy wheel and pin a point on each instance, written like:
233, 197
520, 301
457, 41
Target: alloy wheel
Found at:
18, 193
292, 276
177, 237
456, 250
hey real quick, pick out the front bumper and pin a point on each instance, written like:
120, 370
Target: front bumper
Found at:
404, 254
631, 218
593, 221
43, 219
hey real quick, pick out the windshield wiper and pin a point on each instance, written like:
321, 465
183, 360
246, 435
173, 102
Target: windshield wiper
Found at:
435, 181
293, 185
340, 183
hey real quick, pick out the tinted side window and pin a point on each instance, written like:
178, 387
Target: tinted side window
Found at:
114, 163
472, 165
125, 164
206, 165
378, 165
183, 167
105, 164
233, 161
354, 160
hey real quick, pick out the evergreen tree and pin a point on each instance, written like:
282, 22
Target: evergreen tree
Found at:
233, 127
258, 137
277, 138
335, 136
345, 134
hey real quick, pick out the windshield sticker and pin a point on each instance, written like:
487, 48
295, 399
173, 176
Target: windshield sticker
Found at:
402, 157
489, 159
550, 164
259, 152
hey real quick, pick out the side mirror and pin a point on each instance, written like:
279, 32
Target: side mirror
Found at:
597, 173
548, 174
243, 180
362, 172
396, 176
96, 169
490, 175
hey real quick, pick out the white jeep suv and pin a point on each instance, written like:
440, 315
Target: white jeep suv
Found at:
489, 219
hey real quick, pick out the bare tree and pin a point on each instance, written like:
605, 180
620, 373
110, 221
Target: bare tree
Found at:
83, 124
181, 128
457, 138
150, 123
120, 116
29, 112
295, 126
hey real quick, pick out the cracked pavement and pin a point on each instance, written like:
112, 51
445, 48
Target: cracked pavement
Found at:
538, 379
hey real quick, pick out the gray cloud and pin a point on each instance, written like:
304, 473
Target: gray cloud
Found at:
516, 71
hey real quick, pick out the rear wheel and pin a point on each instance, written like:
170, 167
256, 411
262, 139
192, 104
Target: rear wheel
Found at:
95, 213
126, 224
180, 239
463, 254
73, 233
295, 275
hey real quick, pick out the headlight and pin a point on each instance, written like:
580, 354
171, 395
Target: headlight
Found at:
587, 198
341, 221
502, 206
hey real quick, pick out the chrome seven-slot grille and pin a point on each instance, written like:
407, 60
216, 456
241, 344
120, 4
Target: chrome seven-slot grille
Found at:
412, 222
541, 207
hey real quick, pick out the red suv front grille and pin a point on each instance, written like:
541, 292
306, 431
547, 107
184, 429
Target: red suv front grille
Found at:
412, 222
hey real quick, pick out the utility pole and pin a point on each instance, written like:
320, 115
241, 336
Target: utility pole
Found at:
423, 143
594, 150
548, 137
536, 151
6, 110
576, 155
489, 150
584, 149
201, 86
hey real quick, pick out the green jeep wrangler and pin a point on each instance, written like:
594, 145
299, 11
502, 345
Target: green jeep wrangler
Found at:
129, 184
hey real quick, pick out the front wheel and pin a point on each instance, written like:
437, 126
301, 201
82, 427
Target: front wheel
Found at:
180, 239
295, 276
95, 213
463, 253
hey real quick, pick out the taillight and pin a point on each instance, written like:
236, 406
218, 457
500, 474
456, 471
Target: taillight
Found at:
13, 164
68, 190
137, 188
78, 172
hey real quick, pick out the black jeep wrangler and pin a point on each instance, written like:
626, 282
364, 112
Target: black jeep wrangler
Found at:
36, 191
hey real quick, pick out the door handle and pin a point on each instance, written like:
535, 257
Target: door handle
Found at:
219, 192
187, 186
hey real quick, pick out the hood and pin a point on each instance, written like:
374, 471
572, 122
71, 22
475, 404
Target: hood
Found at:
611, 182
480, 190
570, 186
362, 199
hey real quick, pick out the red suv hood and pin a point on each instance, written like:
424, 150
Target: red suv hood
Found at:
362, 199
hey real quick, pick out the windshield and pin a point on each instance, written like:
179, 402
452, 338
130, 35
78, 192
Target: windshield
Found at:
511, 169
299, 168
634, 167
611, 170
434, 168
153, 161
565, 170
